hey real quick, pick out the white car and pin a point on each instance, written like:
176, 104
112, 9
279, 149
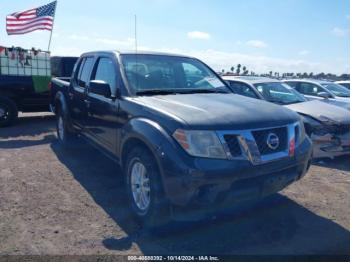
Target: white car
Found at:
320, 90
344, 83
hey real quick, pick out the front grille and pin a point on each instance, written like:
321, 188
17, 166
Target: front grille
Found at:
261, 137
233, 145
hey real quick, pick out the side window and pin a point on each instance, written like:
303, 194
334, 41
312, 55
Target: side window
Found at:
84, 71
105, 71
292, 84
242, 89
309, 89
77, 70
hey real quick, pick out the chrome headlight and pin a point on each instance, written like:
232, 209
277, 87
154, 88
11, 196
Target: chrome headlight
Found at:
200, 143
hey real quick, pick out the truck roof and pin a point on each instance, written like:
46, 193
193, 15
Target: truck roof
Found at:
134, 53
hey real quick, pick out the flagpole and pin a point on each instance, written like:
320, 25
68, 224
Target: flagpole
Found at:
53, 24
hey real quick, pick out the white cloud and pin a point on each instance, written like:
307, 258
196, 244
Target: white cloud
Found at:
128, 43
78, 37
215, 58
117, 43
304, 52
67, 51
198, 35
257, 43
340, 32
219, 60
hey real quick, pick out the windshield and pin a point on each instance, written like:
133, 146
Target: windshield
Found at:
337, 90
279, 93
161, 74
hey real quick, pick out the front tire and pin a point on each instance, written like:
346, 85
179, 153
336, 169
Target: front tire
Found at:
144, 188
8, 112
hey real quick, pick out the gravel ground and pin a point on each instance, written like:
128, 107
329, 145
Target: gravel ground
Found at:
57, 202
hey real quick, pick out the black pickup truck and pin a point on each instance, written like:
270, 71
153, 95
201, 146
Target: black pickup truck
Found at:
186, 144
25, 88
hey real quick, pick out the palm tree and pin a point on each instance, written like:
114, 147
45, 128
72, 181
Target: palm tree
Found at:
238, 70
232, 69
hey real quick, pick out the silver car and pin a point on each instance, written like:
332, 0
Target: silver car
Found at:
320, 90
327, 125
344, 83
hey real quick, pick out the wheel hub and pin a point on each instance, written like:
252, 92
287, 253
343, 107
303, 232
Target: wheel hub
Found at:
140, 186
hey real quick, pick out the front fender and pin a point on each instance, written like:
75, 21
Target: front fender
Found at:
147, 131
164, 148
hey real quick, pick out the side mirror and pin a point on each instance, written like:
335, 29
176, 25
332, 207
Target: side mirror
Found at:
324, 95
100, 88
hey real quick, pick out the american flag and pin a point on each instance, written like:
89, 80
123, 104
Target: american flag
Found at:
40, 18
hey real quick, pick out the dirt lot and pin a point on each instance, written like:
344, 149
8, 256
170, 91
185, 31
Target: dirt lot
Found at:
57, 202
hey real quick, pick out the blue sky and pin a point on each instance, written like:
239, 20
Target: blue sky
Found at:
264, 35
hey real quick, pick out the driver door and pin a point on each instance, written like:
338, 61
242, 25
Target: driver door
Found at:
102, 120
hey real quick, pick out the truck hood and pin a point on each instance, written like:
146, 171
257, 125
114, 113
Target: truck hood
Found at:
219, 111
322, 112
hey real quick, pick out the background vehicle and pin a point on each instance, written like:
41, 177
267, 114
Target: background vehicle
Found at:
184, 141
315, 89
344, 83
62, 66
24, 79
327, 125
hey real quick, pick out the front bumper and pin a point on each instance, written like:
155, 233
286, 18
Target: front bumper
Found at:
330, 145
207, 183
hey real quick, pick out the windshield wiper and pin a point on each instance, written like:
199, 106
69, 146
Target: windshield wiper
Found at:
205, 91
156, 92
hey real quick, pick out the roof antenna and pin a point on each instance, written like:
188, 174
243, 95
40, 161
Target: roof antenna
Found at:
136, 34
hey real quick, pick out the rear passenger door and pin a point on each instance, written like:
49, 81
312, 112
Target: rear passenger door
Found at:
78, 91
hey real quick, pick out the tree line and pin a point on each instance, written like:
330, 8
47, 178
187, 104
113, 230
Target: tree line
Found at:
241, 70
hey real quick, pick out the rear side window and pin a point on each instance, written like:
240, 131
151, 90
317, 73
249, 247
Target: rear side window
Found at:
84, 71
105, 71
292, 84
242, 89
309, 89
